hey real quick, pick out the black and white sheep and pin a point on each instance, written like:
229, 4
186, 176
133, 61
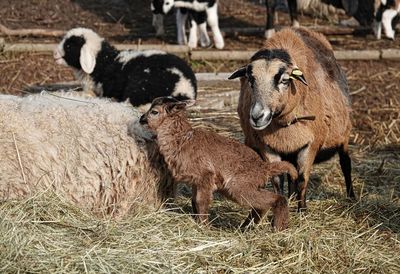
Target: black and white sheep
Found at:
137, 76
199, 13
387, 15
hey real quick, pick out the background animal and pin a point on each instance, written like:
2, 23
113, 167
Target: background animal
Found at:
80, 149
136, 76
294, 105
210, 162
368, 13
199, 13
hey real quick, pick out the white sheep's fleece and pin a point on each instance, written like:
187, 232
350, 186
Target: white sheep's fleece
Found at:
80, 149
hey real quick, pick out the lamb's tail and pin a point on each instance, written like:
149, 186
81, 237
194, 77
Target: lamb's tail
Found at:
278, 168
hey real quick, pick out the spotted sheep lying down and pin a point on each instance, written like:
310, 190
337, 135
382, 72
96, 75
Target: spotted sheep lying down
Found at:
294, 105
137, 76
210, 162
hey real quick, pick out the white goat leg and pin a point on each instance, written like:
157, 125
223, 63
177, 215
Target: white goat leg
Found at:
212, 19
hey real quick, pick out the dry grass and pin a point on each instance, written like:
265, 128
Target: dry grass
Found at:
45, 234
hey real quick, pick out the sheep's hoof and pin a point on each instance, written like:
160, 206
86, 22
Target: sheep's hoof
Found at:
269, 33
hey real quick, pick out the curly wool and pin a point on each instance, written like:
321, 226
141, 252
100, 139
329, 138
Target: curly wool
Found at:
80, 149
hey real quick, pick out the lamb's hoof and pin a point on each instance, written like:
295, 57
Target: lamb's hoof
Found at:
192, 45
220, 45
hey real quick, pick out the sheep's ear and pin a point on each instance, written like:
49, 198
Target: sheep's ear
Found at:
87, 59
297, 74
241, 72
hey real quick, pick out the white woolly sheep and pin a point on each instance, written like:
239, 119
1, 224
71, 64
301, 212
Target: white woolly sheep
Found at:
284, 116
81, 150
199, 13
137, 76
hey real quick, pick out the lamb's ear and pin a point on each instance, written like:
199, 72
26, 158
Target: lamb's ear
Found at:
87, 59
241, 72
297, 74
180, 105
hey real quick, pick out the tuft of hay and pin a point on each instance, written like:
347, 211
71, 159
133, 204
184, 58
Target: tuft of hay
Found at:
44, 234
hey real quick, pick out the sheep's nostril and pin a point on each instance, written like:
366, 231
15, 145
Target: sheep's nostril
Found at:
256, 116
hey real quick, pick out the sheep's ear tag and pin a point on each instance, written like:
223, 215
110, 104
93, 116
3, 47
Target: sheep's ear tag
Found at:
297, 74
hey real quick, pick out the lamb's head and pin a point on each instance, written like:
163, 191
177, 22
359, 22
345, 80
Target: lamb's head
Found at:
162, 108
161, 6
270, 75
78, 49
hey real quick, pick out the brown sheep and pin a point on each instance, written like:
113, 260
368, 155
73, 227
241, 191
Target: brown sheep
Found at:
286, 117
210, 162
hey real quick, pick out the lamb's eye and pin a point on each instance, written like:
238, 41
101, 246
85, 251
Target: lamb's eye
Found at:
154, 112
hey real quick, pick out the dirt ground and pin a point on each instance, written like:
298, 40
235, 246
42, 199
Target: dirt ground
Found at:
129, 21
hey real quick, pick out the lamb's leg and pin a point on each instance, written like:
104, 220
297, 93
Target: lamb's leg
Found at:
345, 164
260, 201
180, 27
305, 160
212, 19
193, 34
201, 203
254, 215
269, 28
291, 186
387, 18
204, 38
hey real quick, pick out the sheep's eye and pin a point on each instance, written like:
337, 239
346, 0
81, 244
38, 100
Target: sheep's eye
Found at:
285, 82
154, 112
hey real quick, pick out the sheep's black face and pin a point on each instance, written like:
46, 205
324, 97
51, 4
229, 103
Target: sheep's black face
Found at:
72, 49
69, 50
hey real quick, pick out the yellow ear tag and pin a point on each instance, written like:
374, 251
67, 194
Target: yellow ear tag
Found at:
297, 72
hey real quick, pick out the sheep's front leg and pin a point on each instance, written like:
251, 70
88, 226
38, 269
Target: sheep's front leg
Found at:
305, 160
180, 27
345, 164
212, 19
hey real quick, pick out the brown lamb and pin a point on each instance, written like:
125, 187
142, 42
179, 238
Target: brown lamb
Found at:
294, 105
210, 162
